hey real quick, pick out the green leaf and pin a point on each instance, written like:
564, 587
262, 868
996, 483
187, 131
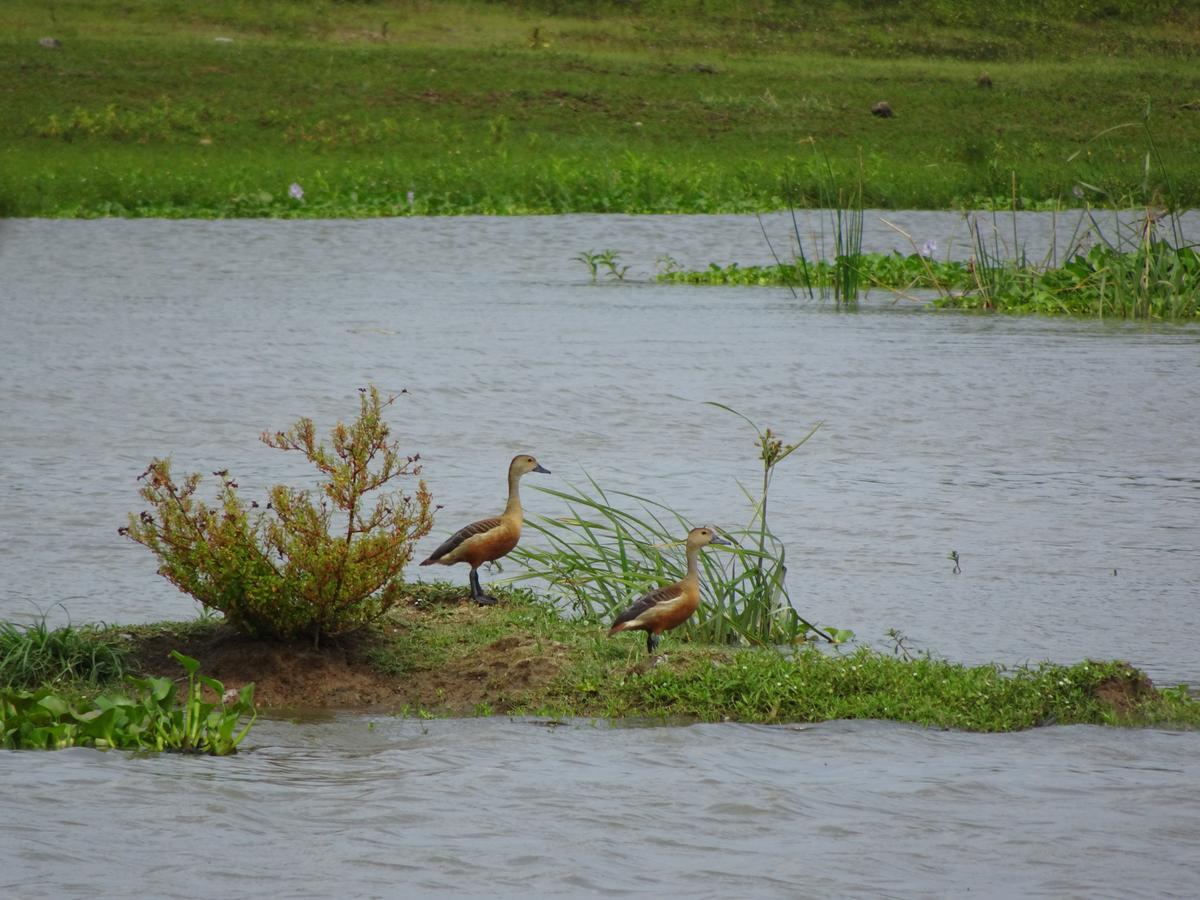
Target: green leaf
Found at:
191, 665
54, 704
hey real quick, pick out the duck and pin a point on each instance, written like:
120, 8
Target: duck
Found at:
671, 605
489, 539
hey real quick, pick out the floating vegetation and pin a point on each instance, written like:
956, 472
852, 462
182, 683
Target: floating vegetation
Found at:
43, 719
1156, 280
875, 270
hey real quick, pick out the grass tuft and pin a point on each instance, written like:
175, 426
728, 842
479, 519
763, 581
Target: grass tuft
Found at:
605, 553
35, 654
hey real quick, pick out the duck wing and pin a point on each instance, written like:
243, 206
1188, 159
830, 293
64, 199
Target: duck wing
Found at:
648, 601
451, 543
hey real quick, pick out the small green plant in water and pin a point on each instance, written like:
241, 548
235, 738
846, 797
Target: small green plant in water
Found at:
592, 261
291, 568
609, 259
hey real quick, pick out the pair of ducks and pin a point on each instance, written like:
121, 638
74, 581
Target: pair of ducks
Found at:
490, 539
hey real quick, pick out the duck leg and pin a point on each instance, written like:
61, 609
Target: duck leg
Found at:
477, 593
651, 641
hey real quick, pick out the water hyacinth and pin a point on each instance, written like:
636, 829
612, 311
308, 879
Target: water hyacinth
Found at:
929, 248
296, 192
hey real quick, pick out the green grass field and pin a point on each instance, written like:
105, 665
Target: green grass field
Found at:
172, 108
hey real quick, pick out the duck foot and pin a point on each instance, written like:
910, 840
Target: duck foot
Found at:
477, 593
651, 642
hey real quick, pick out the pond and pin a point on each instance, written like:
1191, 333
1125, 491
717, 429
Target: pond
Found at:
1053, 456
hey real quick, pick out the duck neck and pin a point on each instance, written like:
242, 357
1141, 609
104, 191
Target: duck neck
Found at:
693, 564
513, 509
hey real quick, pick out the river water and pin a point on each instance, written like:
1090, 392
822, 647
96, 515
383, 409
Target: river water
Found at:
1055, 457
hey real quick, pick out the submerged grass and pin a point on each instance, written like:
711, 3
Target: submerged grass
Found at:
394, 108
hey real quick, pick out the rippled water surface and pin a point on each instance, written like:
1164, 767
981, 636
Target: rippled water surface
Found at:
1056, 458
392, 807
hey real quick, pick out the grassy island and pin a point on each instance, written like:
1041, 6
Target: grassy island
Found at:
397, 107
437, 654
306, 606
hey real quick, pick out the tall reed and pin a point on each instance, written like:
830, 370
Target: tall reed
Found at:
615, 545
844, 207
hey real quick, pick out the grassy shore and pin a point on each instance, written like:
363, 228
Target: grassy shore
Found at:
171, 108
439, 654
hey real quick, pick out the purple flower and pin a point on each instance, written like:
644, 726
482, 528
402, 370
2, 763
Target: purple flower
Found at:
296, 191
929, 248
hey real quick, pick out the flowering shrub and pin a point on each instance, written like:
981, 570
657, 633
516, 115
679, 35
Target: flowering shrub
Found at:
313, 564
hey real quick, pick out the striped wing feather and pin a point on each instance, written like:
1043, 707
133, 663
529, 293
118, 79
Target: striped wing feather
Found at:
451, 543
648, 602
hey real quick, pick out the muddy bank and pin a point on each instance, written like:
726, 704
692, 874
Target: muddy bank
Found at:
441, 654
371, 670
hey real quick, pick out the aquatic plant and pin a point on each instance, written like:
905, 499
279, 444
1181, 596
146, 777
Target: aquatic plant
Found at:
36, 654
603, 553
845, 208
289, 569
882, 270
150, 720
610, 259
591, 259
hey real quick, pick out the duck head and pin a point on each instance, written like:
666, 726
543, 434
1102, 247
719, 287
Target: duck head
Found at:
524, 463
703, 536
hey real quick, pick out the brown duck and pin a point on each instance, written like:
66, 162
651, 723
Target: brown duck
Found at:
488, 539
669, 606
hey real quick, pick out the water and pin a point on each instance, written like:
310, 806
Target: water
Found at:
1053, 456
503, 808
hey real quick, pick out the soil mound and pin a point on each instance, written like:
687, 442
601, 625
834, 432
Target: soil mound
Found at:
293, 675
1125, 692
500, 675
284, 674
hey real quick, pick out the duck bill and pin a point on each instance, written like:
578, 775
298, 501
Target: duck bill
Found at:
718, 540
540, 468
